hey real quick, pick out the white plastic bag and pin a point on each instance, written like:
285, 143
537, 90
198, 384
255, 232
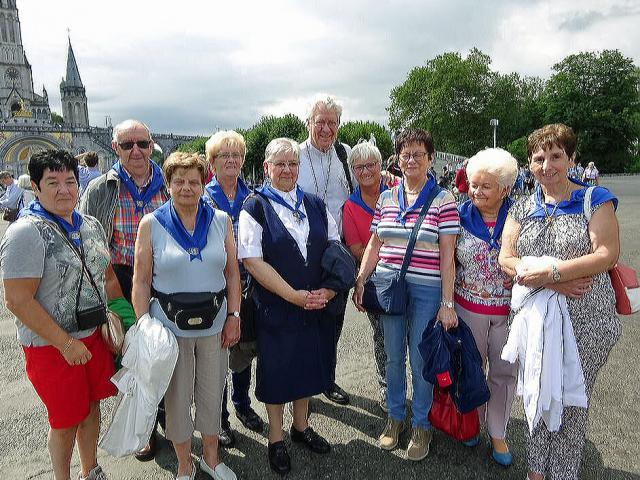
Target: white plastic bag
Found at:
150, 355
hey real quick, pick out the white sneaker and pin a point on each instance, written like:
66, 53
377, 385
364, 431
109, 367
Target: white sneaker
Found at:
221, 472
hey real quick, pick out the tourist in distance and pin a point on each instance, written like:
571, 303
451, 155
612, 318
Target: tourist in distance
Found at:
591, 174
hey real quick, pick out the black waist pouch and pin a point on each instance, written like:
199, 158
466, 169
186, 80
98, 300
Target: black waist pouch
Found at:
192, 311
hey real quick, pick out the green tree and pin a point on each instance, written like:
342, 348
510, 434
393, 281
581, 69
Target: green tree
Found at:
449, 97
597, 95
268, 128
518, 148
351, 132
56, 118
194, 146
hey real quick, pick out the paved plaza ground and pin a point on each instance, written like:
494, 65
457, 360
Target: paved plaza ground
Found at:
612, 450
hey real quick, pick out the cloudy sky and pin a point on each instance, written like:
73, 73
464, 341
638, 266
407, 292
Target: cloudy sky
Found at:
194, 66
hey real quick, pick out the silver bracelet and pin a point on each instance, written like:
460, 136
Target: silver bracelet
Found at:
67, 346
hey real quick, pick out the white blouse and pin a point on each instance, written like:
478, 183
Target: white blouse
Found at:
250, 231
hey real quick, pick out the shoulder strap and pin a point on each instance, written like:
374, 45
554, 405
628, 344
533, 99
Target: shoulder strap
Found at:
342, 156
586, 205
414, 233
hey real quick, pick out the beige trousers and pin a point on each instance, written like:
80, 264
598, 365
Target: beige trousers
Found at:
490, 334
199, 377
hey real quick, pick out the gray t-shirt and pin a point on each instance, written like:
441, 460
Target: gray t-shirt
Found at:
34, 248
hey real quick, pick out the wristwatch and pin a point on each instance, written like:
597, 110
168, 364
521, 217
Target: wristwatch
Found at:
555, 273
446, 304
233, 314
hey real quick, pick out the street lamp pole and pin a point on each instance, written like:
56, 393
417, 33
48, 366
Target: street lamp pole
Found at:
494, 124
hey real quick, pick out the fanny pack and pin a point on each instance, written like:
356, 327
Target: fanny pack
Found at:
192, 311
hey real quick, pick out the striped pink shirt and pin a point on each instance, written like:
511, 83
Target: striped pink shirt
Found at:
441, 219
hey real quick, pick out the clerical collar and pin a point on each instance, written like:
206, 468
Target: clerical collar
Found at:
316, 149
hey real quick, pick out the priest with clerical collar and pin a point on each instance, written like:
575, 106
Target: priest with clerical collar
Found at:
324, 172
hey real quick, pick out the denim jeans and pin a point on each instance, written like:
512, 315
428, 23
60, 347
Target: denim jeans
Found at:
401, 331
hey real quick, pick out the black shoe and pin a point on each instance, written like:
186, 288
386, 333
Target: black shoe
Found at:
250, 419
149, 452
279, 460
337, 395
310, 439
226, 437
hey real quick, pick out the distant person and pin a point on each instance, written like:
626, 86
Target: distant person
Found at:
89, 170
56, 301
579, 171
12, 196
591, 174
324, 171
462, 183
24, 182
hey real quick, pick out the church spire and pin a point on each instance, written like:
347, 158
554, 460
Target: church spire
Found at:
73, 74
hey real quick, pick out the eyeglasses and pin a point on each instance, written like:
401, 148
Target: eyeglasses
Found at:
142, 144
369, 166
417, 156
283, 165
323, 123
227, 156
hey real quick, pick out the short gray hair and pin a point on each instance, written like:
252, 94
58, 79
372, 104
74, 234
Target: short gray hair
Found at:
126, 125
330, 103
497, 162
279, 146
363, 151
24, 181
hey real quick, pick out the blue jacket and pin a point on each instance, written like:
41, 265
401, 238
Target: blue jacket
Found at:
452, 360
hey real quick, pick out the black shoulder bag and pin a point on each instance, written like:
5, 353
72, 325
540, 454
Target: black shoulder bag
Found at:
386, 291
342, 156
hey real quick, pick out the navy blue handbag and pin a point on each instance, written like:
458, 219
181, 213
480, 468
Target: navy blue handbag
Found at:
385, 292
469, 388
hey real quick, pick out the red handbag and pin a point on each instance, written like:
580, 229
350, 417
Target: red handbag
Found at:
627, 289
445, 417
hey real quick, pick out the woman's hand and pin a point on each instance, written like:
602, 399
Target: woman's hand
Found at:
534, 277
319, 298
76, 352
448, 317
358, 292
573, 288
231, 332
299, 298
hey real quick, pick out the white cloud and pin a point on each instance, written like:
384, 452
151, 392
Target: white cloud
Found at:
192, 66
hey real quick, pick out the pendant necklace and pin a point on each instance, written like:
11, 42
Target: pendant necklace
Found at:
313, 171
295, 213
549, 217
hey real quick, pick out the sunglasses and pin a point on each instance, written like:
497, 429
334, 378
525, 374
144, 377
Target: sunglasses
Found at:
142, 144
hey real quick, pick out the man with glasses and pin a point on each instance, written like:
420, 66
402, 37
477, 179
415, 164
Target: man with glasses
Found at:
133, 187
322, 172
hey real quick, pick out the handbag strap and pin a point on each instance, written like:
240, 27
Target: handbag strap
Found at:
414, 233
586, 205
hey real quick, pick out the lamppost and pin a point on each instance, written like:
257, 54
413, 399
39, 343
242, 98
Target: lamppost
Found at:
494, 124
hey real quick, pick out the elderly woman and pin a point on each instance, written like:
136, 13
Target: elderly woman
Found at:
185, 260
591, 174
357, 214
226, 191
552, 222
282, 236
482, 290
24, 182
56, 270
429, 281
